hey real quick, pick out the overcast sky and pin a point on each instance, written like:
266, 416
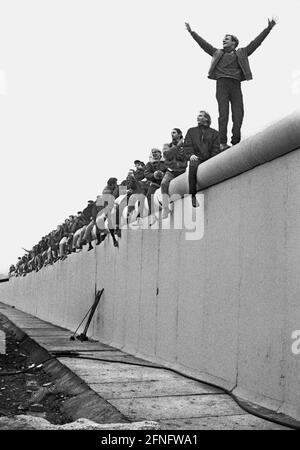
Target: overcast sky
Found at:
88, 86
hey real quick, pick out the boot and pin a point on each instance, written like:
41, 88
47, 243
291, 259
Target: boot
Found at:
194, 201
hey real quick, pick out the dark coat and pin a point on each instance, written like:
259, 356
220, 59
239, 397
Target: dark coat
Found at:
203, 142
86, 215
152, 167
175, 158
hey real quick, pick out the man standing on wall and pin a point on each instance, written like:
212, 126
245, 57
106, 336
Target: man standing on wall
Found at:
230, 66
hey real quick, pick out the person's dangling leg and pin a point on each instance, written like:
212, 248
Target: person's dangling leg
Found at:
112, 233
88, 234
165, 193
80, 239
193, 168
152, 188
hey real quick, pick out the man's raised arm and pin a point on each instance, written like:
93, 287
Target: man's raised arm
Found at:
261, 37
208, 48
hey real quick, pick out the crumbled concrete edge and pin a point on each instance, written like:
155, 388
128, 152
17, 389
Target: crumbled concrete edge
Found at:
25, 422
84, 402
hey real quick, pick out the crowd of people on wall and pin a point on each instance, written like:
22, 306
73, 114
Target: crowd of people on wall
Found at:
82, 229
230, 66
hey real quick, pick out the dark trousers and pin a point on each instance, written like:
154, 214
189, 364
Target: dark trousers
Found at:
229, 91
152, 188
193, 167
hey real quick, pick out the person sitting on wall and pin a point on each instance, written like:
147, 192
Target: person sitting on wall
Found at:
176, 164
44, 248
154, 173
111, 189
65, 233
38, 256
137, 188
139, 169
73, 227
76, 229
87, 236
177, 138
12, 271
200, 143
56, 238
31, 261
25, 265
139, 174
85, 217
18, 266
72, 220
51, 248
133, 187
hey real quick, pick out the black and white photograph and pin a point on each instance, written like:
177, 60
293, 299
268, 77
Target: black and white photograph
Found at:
150, 220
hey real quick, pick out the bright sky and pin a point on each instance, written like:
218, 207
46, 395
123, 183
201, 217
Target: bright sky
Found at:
87, 86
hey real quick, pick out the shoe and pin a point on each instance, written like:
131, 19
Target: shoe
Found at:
116, 244
90, 247
155, 219
165, 213
195, 202
224, 147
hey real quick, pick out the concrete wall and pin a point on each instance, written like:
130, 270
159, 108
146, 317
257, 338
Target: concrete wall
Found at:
222, 307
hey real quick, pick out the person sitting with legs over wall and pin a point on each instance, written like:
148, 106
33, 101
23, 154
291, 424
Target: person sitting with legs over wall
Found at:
154, 173
111, 190
176, 164
200, 143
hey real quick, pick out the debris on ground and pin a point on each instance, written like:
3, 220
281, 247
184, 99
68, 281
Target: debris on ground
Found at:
32, 392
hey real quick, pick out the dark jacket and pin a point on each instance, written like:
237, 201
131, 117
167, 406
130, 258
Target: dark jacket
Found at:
152, 167
77, 223
139, 174
102, 200
242, 53
62, 232
114, 191
175, 158
203, 142
87, 214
